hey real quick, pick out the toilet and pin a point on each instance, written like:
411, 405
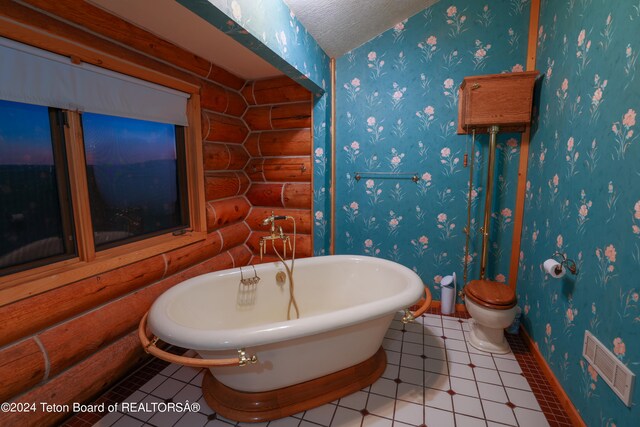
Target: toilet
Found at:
492, 306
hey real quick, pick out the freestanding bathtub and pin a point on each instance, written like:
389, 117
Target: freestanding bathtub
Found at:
346, 306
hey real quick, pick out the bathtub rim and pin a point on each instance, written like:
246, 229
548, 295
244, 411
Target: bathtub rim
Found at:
232, 339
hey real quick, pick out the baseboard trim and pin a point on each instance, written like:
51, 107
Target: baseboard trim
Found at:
459, 307
566, 403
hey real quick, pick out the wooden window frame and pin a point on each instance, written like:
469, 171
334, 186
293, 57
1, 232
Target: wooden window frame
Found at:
88, 262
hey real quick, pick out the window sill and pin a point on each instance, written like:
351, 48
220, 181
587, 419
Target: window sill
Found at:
38, 280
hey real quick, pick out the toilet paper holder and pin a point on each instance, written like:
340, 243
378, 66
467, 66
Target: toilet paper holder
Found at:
565, 262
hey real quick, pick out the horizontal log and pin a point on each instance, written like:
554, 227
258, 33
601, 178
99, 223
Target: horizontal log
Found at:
255, 259
287, 169
277, 90
21, 367
258, 118
72, 341
219, 262
102, 22
227, 211
284, 143
302, 216
225, 78
303, 244
244, 182
30, 315
216, 156
33, 18
291, 116
241, 255
297, 195
213, 97
237, 105
254, 169
219, 185
234, 235
247, 93
219, 128
265, 195
238, 157
81, 383
193, 254
251, 144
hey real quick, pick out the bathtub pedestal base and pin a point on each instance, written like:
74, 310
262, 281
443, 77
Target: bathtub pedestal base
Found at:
270, 405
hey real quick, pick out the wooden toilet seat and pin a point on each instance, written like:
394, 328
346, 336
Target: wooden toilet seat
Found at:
490, 294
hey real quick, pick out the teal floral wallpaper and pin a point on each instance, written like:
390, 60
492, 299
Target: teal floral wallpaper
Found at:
583, 198
397, 99
272, 31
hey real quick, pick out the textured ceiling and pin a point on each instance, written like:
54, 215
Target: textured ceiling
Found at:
342, 25
171, 21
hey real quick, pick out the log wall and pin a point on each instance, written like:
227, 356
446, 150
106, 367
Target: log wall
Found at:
72, 343
280, 168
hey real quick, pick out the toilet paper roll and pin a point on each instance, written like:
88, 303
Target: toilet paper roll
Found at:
554, 268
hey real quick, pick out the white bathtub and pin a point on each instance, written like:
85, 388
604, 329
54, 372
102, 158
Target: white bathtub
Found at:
346, 305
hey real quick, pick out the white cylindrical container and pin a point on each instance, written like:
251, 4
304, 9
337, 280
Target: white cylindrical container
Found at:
448, 294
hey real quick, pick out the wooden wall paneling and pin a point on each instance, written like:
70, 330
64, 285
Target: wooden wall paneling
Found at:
216, 156
102, 22
258, 118
30, 315
80, 383
224, 128
214, 97
254, 169
228, 211
219, 185
241, 255
244, 182
30, 26
247, 93
302, 217
113, 27
238, 157
285, 143
303, 244
291, 116
188, 256
237, 105
22, 366
287, 169
218, 262
72, 341
278, 90
265, 195
252, 144
234, 235
297, 195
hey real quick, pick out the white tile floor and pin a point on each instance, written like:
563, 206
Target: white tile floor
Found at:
433, 378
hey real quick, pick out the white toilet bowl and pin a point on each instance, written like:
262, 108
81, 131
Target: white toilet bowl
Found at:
487, 327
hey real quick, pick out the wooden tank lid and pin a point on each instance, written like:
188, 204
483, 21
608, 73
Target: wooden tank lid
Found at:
490, 294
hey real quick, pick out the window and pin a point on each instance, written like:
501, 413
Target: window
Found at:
135, 179
36, 226
94, 168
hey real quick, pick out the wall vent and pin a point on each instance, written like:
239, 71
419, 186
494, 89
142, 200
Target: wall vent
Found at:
609, 367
